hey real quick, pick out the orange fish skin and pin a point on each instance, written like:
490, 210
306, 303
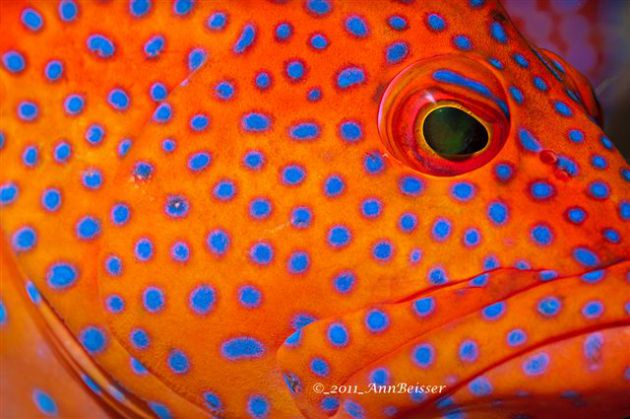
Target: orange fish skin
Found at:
272, 226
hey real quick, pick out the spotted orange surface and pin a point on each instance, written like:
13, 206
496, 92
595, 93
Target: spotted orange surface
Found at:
232, 209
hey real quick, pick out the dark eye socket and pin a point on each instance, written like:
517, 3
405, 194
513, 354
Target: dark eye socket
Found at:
453, 133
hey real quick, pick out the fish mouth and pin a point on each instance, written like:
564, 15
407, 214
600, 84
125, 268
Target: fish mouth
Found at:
503, 322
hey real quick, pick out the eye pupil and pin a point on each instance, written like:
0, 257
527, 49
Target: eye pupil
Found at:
453, 133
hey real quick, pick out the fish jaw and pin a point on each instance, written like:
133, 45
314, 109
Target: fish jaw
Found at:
468, 343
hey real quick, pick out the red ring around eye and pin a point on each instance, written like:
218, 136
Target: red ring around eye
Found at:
425, 86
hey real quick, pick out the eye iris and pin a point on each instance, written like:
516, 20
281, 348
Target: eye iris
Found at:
451, 132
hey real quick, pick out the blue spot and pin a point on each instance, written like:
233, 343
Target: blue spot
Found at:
244, 347
344, 282
298, 262
260, 208
397, 23
593, 347
349, 77
329, 404
463, 191
410, 186
159, 409
517, 95
13, 62
520, 60
498, 32
284, 31
376, 321
224, 190
68, 10
93, 339
139, 8
33, 293
140, 338
196, 58
32, 19
62, 152
183, 7
373, 163
436, 22
158, 91
88, 228
94, 134
154, 46
599, 162
45, 403
494, 311
319, 41
120, 214
169, 145
562, 109
338, 334
301, 217
592, 309
304, 131
576, 215
480, 386
468, 351
576, 136
213, 402
258, 406
199, 161
245, 40
115, 303
138, 368
624, 210
599, 190
437, 276
61, 275
462, 42
113, 265
424, 306
356, 26
496, 63
100, 45
441, 229
263, 80
53, 70
540, 84
180, 252
605, 141
611, 235
498, 213
30, 157
217, 21
423, 355
472, 237
542, 190
320, 367
319, 7
218, 242
528, 141
451, 77
382, 250
143, 250
408, 222
396, 52
153, 299
24, 239
199, 122
225, 90
261, 253
585, 257
350, 131
249, 296
163, 113
295, 70
28, 111
178, 362
293, 175
516, 337
353, 409
536, 364
371, 208
255, 122
549, 306
314, 94
542, 234
339, 236
254, 160
8, 193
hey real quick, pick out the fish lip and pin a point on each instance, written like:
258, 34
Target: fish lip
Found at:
486, 273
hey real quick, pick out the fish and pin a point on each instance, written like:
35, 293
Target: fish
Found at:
305, 209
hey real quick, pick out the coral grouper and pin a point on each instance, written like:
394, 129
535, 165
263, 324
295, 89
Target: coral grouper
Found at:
304, 209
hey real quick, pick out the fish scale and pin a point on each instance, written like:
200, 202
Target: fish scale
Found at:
234, 182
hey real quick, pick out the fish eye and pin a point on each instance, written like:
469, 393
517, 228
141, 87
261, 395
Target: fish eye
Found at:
444, 116
454, 133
